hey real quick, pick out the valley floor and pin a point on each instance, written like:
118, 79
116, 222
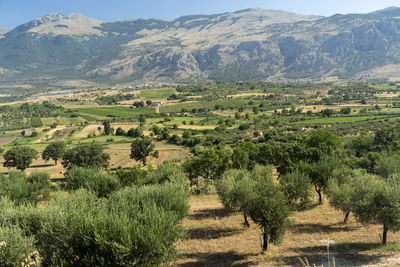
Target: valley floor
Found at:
216, 237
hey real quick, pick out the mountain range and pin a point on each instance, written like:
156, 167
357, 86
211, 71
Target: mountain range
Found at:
251, 44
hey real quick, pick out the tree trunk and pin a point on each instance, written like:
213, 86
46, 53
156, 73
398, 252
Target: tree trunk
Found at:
246, 222
265, 241
319, 195
384, 236
346, 217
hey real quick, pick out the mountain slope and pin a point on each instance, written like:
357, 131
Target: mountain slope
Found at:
252, 44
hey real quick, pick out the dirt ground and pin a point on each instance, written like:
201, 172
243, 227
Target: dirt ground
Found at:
120, 154
119, 157
91, 128
216, 237
48, 135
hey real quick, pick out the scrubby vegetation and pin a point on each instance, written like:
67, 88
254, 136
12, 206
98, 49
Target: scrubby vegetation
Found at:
270, 151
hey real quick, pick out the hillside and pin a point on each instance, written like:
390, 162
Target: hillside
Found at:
252, 44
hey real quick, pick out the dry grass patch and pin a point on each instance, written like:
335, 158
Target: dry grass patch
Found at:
90, 129
217, 238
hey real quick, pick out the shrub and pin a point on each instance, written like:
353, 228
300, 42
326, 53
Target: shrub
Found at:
133, 176
22, 189
166, 172
136, 226
15, 248
387, 165
91, 179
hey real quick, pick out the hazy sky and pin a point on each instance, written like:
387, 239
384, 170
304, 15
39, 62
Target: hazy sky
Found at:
15, 12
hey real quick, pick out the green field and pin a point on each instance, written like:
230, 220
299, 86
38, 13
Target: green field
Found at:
162, 93
331, 120
117, 111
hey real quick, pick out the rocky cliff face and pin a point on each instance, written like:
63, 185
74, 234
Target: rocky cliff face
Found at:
251, 44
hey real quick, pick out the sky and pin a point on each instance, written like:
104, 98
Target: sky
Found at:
16, 12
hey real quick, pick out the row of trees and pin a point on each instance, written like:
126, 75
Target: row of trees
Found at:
88, 155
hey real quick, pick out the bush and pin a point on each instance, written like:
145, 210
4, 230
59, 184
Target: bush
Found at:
23, 190
91, 179
136, 226
387, 165
166, 172
15, 248
133, 176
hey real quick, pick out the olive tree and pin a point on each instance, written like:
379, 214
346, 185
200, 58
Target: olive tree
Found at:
376, 200
387, 165
340, 189
320, 172
270, 209
235, 190
297, 187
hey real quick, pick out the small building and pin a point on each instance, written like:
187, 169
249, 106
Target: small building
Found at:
157, 104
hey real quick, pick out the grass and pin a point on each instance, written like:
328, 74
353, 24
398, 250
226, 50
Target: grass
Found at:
109, 112
331, 120
162, 93
216, 237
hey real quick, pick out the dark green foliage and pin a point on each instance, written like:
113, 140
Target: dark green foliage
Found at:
245, 156
36, 122
22, 189
54, 151
362, 145
91, 179
387, 165
135, 132
88, 155
19, 157
141, 149
133, 176
167, 172
120, 132
297, 187
107, 128
210, 164
324, 140
387, 139
320, 172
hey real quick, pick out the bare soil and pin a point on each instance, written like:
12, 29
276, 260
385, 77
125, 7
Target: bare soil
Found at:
216, 237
